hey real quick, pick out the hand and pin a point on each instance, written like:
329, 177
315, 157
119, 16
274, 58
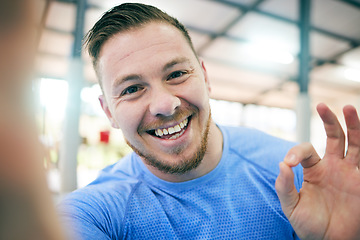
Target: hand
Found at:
328, 204
26, 206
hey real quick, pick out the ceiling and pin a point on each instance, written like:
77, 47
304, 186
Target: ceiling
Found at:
247, 45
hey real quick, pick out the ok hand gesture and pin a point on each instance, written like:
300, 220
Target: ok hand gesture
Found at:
328, 204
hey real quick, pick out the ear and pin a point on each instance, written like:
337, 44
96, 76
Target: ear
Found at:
207, 82
107, 111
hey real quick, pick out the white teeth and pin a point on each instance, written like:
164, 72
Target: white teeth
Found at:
175, 129
159, 132
171, 130
175, 136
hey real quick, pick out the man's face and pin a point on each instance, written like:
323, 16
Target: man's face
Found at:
157, 93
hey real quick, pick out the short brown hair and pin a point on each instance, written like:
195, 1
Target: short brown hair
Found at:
125, 17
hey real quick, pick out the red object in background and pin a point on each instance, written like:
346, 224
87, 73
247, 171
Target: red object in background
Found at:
104, 137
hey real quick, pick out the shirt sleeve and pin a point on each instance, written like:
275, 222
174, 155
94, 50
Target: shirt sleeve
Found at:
78, 228
87, 215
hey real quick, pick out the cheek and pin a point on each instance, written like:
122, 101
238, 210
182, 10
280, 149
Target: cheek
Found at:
198, 94
128, 117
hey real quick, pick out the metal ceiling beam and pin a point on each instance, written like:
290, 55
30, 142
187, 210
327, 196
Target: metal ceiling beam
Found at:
352, 3
319, 62
352, 41
245, 9
315, 61
211, 33
271, 15
229, 25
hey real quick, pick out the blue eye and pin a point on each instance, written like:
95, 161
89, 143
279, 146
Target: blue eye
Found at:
176, 74
131, 90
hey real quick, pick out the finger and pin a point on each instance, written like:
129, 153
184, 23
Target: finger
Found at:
335, 143
353, 132
286, 190
303, 153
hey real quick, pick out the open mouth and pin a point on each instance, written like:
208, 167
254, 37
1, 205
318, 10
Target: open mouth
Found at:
171, 133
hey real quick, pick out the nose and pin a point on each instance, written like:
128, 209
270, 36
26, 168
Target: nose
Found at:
163, 102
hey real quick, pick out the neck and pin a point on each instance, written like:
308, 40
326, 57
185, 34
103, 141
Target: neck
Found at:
210, 161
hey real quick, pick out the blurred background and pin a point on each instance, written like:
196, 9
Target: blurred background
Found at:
253, 51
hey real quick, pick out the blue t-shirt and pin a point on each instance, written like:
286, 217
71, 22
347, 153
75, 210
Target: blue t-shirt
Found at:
236, 200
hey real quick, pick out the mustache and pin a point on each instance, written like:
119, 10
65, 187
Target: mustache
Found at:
160, 121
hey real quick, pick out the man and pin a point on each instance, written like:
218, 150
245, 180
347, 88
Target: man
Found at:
189, 178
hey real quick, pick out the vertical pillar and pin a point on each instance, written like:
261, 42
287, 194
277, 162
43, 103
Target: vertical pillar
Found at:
303, 108
71, 137
303, 117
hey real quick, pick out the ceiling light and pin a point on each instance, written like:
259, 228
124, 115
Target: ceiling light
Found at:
270, 54
352, 74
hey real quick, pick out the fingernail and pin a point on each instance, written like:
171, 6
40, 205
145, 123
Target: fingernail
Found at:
291, 159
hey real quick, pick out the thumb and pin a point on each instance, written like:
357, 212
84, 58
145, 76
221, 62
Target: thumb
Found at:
286, 190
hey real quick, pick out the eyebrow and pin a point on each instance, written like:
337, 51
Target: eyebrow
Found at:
167, 66
174, 62
119, 81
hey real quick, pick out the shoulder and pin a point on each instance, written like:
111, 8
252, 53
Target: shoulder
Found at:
101, 205
115, 183
262, 151
250, 141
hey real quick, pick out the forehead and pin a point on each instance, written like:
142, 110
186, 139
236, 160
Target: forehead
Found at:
147, 39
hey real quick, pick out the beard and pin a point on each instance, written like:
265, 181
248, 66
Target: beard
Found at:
185, 164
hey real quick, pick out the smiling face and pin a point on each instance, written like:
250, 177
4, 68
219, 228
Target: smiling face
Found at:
157, 93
